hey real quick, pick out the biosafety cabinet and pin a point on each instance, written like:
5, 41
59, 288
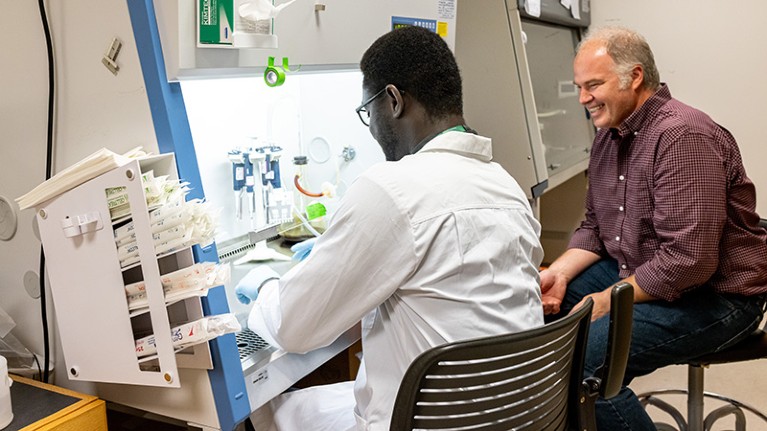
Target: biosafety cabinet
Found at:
518, 87
216, 385
516, 60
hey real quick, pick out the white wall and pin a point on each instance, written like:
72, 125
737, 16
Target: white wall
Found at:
22, 147
95, 109
712, 55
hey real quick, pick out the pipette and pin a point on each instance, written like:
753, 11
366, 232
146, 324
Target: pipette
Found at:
250, 182
256, 158
238, 179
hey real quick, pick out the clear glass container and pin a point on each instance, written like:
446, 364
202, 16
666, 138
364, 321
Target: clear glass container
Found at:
296, 229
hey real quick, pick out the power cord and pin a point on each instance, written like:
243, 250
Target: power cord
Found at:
48, 169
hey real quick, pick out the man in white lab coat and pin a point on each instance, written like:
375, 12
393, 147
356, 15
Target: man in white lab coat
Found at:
436, 244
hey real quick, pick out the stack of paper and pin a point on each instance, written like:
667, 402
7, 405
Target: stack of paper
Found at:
92, 166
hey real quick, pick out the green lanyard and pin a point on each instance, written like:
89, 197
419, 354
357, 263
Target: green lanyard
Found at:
458, 128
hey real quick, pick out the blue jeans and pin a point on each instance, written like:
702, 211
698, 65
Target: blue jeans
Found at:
664, 333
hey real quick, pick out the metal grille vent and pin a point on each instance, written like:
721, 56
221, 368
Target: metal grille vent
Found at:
235, 252
248, 343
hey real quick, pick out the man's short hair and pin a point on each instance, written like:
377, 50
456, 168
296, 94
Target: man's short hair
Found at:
418, 62
627, 48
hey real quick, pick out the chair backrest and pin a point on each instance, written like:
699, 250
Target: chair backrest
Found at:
516, 381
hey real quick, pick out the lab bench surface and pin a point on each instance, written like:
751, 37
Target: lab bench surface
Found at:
42, 407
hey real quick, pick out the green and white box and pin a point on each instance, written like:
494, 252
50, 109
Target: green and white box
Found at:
215, 22
220, 26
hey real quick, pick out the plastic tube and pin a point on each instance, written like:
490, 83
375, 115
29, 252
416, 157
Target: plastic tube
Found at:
306, 223
304, 191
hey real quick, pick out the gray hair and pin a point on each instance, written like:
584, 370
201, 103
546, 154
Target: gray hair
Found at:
627, 48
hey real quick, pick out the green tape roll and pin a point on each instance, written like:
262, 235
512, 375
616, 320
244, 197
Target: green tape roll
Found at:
274, 76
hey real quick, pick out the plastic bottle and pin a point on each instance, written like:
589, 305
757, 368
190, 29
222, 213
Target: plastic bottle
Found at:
6, 412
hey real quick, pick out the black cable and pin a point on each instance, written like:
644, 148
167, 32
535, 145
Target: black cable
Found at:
44, 314
51, 92
39, 370
48, 169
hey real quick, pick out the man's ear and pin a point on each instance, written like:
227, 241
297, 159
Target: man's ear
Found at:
637, 77
395, 100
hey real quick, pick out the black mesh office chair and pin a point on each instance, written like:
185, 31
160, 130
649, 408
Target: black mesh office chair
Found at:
752, 348
531, 380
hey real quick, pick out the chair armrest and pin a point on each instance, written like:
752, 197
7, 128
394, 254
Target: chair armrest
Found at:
608, 379
619, 340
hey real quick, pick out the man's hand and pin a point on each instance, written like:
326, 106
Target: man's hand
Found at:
553, 287
555, 278
602, 300
601, 303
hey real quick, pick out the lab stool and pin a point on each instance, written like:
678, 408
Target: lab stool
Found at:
752, 348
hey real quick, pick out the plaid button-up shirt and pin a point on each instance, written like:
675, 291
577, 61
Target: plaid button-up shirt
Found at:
669, 199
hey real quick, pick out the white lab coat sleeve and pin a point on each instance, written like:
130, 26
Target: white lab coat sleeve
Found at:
365, 255
268, 316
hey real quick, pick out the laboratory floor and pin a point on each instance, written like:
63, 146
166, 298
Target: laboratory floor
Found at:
745, 382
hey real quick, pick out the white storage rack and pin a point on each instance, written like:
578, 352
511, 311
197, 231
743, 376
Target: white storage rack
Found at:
97, 330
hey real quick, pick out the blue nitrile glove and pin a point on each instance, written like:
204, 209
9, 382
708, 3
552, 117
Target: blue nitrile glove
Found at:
302, 249
247, 289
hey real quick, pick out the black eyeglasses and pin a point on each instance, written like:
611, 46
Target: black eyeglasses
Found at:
362, 108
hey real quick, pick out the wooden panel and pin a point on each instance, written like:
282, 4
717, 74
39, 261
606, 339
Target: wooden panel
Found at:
88, 413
